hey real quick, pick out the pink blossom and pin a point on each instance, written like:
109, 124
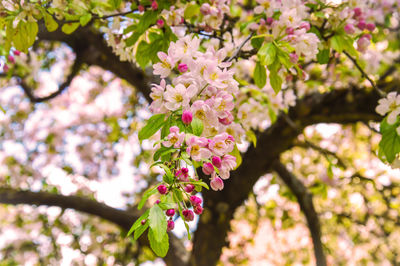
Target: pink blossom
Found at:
11, 59
179, 96
164, 67
216, 161
228, 163
17, 53
197, 148
362, 25
363, 43
370, 26
157, 94
216, 183
221, 144
140, 8
174, 138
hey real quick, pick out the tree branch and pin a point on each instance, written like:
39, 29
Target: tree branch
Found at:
74, 71
124, 219
307, 207
338, 106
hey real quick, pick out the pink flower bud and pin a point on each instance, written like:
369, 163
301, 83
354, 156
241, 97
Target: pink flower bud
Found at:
170, 225
11, 59
262, 21
5, 68
208, 168
368, 36
195, 200
162, 189
226, 120
349, 29
143, 222
182, 174
357, 12
305, 25
361, 25
185, 170
217, 184
158, 201
170, 212
189, 188
187, 117
289, 31
188, 215
370, 26
17, 53
160, 23
293, 57
216, 161
140, 8
198, 209
269, 21
182, 68
154, 5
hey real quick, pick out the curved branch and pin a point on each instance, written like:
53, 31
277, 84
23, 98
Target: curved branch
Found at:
176, 254
304, 199
74, 71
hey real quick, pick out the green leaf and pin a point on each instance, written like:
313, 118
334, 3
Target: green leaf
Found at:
138, 222
159, 247
197, 126
146, 195
25, 35
158, 222
260, 75
187, 229
85, 19
146, 20
323, 56
142, 54
153, 125
70, 27
163, 151
177, 195
267, 54
140, 230
275, 81
250, 134
390, 142
49, 22
200, 183
2, 109
257, 41
237, 155
191, 11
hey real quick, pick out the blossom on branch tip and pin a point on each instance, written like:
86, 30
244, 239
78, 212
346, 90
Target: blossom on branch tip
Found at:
216, 183
162, 189
174, 138
188, 215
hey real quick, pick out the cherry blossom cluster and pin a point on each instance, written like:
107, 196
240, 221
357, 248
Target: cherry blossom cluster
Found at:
203, 89
291, 25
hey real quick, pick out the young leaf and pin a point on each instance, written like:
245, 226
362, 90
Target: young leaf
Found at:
390, 142
238, 156
159, 247
267, 54
158, 222
323, 56
260, 75
275, 81
49, 22
153, 125
70, 27
163, 151
85, 19
138, 222
146, 195
197, 126
140, 230
25, 35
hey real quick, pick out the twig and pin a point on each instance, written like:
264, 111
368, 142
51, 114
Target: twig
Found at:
325, 152
237, 51
365, 75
